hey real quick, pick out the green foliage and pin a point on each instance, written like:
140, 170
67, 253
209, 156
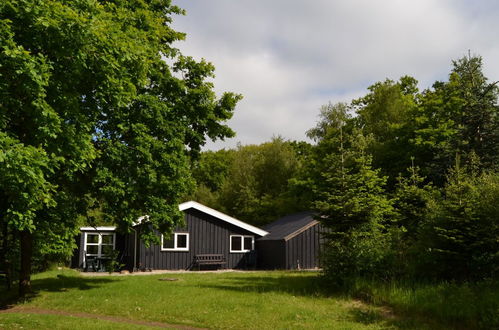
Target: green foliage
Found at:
212, 167
113, 264
448, 305
350, 200
411, 199
254, 183
98, 112
386, 113
460, 238
24, 187
332, 119
210, 171
460, 116
438, 221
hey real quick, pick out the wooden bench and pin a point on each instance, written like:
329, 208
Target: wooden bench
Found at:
209, 259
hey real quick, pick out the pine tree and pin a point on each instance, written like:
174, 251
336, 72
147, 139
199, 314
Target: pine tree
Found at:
350, 201
412, 197
463, 232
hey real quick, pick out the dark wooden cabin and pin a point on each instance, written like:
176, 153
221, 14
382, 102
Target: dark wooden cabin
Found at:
293, 242
206, 232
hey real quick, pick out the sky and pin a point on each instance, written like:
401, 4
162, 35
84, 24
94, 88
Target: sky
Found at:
288, 58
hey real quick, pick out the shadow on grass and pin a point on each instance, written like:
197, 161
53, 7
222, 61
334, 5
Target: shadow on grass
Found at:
295, 285
59, 283
315, 286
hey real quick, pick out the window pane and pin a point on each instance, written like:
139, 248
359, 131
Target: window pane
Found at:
181, 241
107, 239
168, 242
107, 249
247, 243
236, 243
92, 238
92, 249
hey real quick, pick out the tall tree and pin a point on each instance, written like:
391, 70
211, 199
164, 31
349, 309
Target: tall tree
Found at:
91, 114
412, 199
461, 236
350, 199
386, 113
458, 117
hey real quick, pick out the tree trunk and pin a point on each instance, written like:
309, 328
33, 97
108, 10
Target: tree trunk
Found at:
26, 254
4, 257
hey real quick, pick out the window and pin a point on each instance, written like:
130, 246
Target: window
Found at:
176, 242
241, 243
99, 244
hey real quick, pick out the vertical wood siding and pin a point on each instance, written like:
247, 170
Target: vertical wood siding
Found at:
303, 250
271, 254
207, 235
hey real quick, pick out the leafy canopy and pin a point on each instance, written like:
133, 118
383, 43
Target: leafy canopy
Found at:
98, 111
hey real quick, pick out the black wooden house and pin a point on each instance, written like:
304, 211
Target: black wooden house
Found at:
211, 237
207, 232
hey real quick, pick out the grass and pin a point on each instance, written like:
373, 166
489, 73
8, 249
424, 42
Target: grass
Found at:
258, 300
253, 300
460, 306
56, 322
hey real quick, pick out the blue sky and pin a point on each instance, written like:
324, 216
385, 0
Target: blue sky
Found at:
290, 57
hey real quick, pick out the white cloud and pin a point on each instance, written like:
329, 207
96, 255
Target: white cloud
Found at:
289, 57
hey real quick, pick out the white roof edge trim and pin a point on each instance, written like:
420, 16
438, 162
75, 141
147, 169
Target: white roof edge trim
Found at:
140, 220
222, 216
108, 228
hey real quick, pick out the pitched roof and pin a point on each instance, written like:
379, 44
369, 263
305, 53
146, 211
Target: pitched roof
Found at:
289, 226
222, 216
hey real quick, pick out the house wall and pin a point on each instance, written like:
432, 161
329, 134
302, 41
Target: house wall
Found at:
302, 251
271, 254
207, 235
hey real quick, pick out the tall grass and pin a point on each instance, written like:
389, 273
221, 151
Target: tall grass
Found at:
458, 305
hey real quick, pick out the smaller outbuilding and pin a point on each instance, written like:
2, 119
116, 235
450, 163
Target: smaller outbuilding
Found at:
293, 242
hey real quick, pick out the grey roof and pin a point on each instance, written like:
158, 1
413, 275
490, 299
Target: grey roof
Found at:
289, 226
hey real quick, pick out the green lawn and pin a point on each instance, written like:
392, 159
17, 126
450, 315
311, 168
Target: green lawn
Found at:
56, 322
254, 300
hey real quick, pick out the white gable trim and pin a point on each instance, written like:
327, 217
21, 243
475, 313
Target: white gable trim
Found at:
109, 228
221, 216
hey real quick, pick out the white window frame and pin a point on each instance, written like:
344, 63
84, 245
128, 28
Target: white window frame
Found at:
242, 243
99, 245
175, 242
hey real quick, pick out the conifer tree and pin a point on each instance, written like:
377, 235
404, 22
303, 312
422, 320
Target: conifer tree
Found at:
463, 229
350, 201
